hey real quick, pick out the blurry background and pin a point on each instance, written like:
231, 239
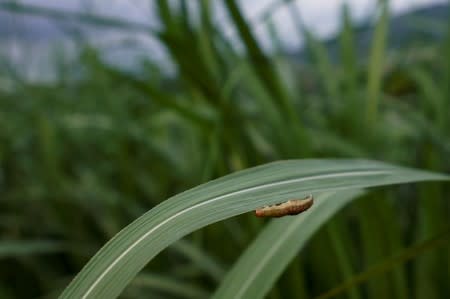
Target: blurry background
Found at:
108, 108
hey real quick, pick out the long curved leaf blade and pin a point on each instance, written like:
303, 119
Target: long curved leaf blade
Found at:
254, 274
168, 285
113, 267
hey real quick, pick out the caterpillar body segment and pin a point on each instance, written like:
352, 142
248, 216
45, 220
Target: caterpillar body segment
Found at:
290, 207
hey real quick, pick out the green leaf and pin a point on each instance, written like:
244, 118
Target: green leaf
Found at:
388, 264
201, 259
20, 248
115, 265
167, 285
376, 62
265, 259
261, 64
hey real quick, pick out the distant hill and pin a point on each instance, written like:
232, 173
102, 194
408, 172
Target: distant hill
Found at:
418, 27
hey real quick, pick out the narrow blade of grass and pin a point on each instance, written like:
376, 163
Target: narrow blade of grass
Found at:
376, 63
200, 258
262, 65
167, 285
254, 274
19, 248
343, 258
114, 266
388, 264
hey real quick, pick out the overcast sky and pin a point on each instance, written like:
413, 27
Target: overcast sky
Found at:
321, 16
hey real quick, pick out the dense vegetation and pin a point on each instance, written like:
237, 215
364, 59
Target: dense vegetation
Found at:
82, 157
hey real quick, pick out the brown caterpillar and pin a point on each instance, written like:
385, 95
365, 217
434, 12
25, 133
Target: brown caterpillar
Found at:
290, 207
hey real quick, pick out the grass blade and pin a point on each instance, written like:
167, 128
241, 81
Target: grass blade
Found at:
167, 285
200, 258
115, 265
389, 264
340, 246
22, 248
265, 259
376, 63
259, 61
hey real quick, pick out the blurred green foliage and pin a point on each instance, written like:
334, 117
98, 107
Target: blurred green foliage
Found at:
83, 156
